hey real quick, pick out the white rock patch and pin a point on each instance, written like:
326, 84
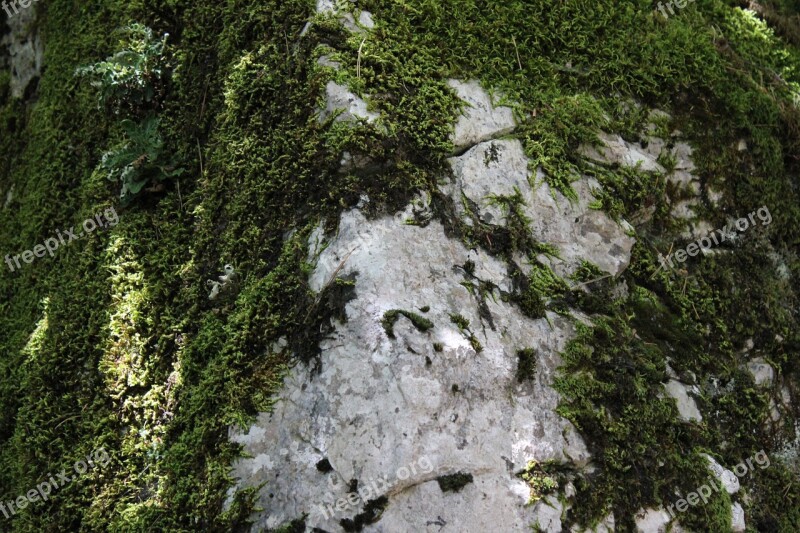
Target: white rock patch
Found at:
500, 168
687, 408
377, 405
480, 120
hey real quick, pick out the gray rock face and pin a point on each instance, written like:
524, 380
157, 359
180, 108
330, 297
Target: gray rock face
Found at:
23, 49
652, 521
388, 410
480, 120
381, 404
762, 372
350, 106
500, 168
614, 149
687, 408
737, 518
727, 478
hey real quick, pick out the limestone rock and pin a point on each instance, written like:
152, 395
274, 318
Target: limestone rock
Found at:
687, 408
762, 372
548, 514
737, 518
614, 149
480, 120
353, 107
25, 50
500, 168
380, 406
652, 521
727, 478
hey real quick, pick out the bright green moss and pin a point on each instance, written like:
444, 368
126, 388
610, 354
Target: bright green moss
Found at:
391, 317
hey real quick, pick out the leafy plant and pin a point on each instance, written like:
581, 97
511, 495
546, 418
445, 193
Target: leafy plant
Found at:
140, 160
131, 76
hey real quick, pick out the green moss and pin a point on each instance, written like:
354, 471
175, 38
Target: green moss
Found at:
459, 321
371, 514
454, 482
390, 317
240, 111
540, 479
526, 364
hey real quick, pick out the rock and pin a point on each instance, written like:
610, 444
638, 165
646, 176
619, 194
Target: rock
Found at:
614, 149
25, 50
548, 514
652, 521
500, 168
727, 478
377, 408
365, 21
737, 518
339, 98
763, 373
687, 408
480, 120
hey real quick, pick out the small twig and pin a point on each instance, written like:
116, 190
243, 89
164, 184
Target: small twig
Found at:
664, 262
180, 199
358, 61
592, 281
329, 282
513, 40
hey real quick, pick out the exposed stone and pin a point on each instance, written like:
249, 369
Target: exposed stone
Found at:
614, 149
480, 120
376, 407
763, 373
500, 168
737, 518
340, 98
548, 514
687, 408
727, 478
25, 50
652, 521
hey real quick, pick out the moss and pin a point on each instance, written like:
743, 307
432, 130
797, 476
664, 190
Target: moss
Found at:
454, 482
390, 317
371, 514
459, 321
239, 110
324, 466
526, 364
540, 479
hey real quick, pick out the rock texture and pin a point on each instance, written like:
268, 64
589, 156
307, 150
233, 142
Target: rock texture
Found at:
481, 120
24, 50
381, 403
500, 168
420, 382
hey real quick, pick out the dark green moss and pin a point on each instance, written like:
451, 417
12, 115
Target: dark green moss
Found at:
454, 482
371, 514
526, 364
391, 317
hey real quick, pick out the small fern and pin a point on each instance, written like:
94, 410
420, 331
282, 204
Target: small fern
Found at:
140, 160
131, 77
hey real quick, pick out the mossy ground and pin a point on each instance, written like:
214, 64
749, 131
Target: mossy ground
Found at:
114, 342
